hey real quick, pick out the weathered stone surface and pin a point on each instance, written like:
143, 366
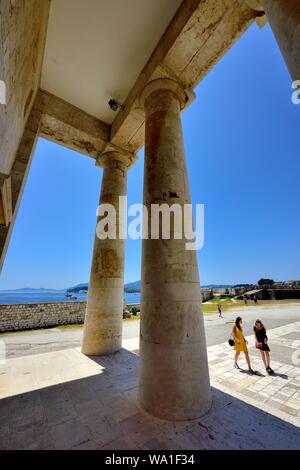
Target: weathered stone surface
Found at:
284, 19
198, 36
255, 4
104, 313
82, 403
5, 200
172, 330
40, 315
67, 125
19, 173
23, 26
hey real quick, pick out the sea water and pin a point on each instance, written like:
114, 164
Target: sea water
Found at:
15, 297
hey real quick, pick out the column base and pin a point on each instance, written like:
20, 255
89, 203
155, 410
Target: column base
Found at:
89, 351
198, 413
102, 334
174, 380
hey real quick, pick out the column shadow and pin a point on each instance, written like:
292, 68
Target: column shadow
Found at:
101, 411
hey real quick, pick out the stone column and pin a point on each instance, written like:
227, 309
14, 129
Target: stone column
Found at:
174, 378
104, 314
284, 19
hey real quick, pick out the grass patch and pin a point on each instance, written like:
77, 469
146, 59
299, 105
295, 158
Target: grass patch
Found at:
133, 317
68, 327
39, 330
210, 306
228, 304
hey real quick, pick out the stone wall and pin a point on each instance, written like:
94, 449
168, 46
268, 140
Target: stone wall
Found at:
206, 294
14, 317
30, 316
224, 291
40, 315
281, 294
276, 294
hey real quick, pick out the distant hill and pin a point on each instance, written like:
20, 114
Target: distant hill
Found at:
133, 287
31, 289
136, 286
218, 286
78, 288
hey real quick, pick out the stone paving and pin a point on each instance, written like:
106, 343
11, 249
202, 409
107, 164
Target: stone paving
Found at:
65, 400
281, 391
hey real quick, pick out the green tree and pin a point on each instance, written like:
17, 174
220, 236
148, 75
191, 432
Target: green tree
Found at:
265, 282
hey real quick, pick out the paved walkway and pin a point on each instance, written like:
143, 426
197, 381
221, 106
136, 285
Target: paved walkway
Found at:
279, 392
217, 330
65, 400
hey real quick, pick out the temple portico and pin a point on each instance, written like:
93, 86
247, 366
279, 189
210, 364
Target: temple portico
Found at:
60, 77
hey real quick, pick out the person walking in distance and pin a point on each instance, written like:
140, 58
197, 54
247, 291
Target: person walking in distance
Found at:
261, 343
220, 310
240, 344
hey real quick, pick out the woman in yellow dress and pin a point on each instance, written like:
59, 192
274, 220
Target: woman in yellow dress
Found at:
240, 344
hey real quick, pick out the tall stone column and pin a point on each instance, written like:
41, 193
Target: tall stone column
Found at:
174, 378
284, 19
104, 314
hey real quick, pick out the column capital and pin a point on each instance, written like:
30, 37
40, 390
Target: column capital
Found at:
185, 96
259, 11
113, 153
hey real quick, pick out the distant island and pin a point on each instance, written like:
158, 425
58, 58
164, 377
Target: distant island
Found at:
79, 288
130, 288
32, 289
135, 287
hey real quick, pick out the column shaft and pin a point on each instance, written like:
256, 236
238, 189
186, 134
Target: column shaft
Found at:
284, 19
104, 313
174, 378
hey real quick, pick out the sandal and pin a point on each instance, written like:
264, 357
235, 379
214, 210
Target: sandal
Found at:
236, 366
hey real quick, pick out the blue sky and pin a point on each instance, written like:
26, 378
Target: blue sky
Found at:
242, 147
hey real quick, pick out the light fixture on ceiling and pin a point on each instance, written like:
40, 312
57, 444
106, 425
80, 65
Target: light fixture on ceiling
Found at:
115, 104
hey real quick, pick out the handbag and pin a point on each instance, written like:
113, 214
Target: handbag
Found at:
231, 341
258, 345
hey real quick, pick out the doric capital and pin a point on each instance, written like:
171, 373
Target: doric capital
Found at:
112, 154
184, 96
259, 12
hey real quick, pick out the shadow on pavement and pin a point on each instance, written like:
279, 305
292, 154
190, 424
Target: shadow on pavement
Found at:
100, 411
